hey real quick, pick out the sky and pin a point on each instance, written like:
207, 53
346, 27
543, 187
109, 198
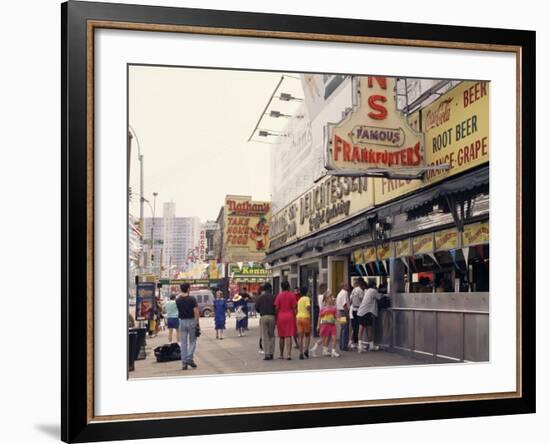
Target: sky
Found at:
192, 126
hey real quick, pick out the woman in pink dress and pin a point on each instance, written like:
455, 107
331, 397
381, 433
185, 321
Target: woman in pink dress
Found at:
285, 309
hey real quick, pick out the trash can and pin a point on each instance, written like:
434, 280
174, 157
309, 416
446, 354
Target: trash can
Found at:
132, 349
141, 342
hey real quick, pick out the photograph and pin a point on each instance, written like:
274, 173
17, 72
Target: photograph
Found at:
305, 221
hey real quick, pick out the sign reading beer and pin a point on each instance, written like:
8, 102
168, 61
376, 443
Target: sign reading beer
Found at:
456, 127
375, 134
245, 229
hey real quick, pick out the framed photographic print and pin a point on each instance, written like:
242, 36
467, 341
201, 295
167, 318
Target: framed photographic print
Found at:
287, 221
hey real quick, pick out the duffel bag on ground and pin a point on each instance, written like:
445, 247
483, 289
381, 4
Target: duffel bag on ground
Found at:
168, 352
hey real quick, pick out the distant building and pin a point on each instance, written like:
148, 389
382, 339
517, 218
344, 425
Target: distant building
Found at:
175, 240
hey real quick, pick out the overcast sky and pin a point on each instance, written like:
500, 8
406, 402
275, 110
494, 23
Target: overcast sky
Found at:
192, 126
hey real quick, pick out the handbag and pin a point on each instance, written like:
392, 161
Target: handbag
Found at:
239, 314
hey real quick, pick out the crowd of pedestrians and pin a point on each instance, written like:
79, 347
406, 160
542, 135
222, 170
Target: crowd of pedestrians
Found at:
287, 315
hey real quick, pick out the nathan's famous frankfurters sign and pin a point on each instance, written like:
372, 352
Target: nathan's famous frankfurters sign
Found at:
375, 134
456, 127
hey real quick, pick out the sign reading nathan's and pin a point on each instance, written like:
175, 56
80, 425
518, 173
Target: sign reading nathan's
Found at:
375, 134
330, 201
246, 227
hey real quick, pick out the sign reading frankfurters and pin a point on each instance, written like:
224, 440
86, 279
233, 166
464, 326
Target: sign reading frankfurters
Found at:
375, 136
246, 228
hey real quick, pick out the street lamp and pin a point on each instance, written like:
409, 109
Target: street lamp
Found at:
152, 208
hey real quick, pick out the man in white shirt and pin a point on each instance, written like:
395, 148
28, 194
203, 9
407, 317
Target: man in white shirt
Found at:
342, 307
355, 301
368, 311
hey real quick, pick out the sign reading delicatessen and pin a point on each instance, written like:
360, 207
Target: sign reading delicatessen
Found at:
330, 201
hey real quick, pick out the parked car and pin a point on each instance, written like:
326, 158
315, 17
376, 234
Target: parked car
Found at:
205, 301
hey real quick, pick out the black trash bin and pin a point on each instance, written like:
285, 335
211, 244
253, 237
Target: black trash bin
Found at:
132, 349
141, 338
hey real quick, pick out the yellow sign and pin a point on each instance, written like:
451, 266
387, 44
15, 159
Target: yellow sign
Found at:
476, 234
358, 256
383, 251
446, 240
331, 201
375, 134
456, 128
246, 229
402, 248
423, 244
369, 254
213, 270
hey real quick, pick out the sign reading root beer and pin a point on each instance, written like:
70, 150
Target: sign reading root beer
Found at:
375, 134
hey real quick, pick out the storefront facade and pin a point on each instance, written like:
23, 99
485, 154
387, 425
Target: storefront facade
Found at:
426, 241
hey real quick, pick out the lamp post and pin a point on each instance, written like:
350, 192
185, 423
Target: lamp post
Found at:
152, 240
133, 135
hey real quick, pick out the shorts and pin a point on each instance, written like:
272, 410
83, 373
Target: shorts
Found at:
366, 320
327, 330
303, 325
173, 323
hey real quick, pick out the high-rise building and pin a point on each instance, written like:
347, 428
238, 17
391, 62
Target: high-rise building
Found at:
175, 240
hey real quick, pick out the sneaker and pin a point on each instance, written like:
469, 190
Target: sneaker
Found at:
184, 367
333, 354
306, 354
312, 352
261, 352
301, 356
192, 363
374, 348
326, 352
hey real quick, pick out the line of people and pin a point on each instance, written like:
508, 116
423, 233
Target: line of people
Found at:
290, 314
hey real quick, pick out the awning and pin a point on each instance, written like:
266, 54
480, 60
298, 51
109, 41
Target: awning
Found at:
355, 227
475, 181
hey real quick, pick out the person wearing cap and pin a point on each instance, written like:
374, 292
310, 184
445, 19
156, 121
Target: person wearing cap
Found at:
241, 316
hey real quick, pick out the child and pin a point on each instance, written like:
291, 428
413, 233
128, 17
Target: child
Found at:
303, 322
327, 325
220, 308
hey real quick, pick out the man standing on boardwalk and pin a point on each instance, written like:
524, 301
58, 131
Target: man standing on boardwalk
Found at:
265, 306
188, 312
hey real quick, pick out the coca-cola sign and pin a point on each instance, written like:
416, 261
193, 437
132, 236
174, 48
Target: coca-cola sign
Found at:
440, 115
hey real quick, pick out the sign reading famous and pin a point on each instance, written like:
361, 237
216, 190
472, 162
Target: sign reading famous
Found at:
375, 135
245, 229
